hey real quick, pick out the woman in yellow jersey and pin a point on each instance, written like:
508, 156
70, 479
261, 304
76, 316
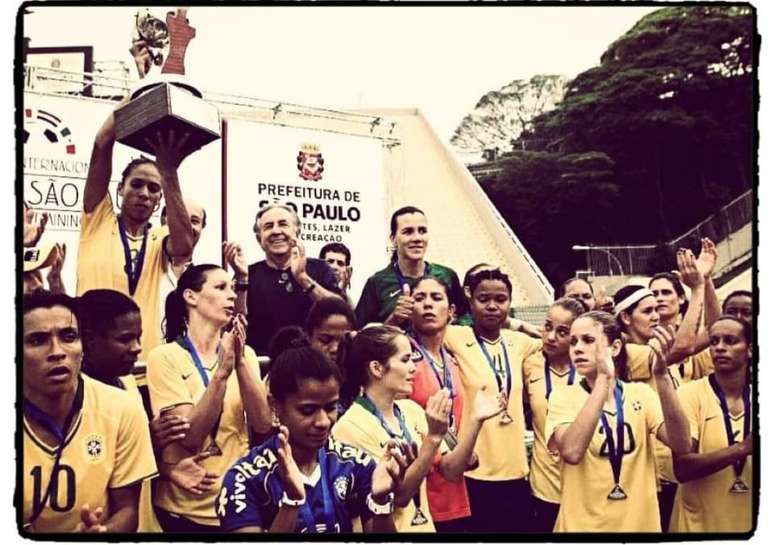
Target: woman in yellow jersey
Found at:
206, 374
86, 446
545, 372
438, 369
601, 426
378, 360
634, 303
493, 358
716, 476
111, 343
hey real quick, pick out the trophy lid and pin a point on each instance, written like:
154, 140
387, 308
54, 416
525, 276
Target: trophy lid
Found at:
153, 80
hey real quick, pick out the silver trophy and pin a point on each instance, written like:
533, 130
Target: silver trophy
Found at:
164, 100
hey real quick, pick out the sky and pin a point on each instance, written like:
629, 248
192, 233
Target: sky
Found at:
439, 59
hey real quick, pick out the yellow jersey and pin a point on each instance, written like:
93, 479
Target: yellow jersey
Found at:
101, 266
500, 447
362, 429
707, 504
584, 505
173, 380
108, 446
544, 477
147, 521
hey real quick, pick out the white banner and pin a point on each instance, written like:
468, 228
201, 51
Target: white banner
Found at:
58, 138
334, 181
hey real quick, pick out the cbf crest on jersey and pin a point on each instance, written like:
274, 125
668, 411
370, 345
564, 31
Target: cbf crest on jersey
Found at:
341, 486
94, 445
310, 162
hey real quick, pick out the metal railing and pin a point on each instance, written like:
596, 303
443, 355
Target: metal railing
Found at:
730, 228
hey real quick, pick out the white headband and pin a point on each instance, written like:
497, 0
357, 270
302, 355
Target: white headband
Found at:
635, 297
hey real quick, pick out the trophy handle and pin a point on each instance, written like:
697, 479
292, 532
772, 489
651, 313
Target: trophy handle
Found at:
180, 34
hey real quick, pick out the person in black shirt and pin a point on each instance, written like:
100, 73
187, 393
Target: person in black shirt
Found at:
279, 290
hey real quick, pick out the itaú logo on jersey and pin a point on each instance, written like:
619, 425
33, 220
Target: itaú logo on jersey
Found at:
310, 162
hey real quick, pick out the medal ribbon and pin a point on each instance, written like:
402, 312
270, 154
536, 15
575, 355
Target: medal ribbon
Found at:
132, 273
402, 279
36, 414
446, 381
188, 345
490, 360
365, 402
570, 379
615, 449
746, 425
329, 511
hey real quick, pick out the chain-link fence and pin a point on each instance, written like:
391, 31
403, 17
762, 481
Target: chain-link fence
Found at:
730, 229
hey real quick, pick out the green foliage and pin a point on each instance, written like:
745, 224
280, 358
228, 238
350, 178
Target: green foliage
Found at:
644, 146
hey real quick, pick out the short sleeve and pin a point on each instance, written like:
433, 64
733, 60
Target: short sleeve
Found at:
346, 432
91, 222
134, 452
165, 384
702, 364
689, 402
561, 411
654, 416
638, 360
240, 501
531, 344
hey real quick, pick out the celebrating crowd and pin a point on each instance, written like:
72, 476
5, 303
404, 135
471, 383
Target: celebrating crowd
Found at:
171, 396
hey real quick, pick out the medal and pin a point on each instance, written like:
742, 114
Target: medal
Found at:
615, 448
445, 381
739, 486
133, 270
505, 418
617, 493
419, 517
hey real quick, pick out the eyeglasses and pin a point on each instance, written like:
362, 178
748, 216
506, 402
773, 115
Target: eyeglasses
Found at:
285, 279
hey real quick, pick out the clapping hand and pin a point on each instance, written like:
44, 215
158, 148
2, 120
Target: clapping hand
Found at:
437, 412
661, 343
33, 230
191, 476
292, 480
232, 252
390, 470
707, 258
689, 273
486, 405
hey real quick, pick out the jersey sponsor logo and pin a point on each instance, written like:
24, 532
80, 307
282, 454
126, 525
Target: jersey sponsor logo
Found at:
185, 377
348, 452
341, 486
236, 495
533, 381
396, 292
95, 447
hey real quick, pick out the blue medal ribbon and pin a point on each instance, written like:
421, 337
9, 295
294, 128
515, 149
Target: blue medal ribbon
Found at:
365, 402
188, 345
132, 273
746, 424
615, 448
570, 379
443, 382
490, 360
36, 414
402, 279
329, 510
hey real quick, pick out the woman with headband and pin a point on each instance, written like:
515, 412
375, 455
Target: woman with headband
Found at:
601, 426
716, 476
437, 369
